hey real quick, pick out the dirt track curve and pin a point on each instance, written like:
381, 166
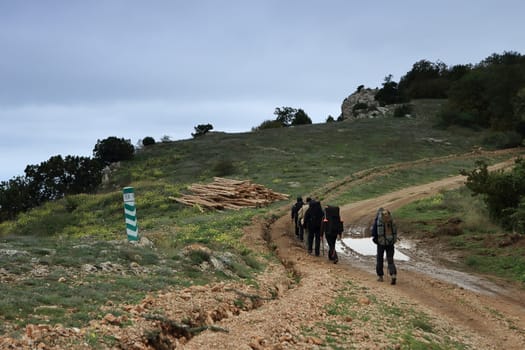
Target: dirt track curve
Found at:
492, 317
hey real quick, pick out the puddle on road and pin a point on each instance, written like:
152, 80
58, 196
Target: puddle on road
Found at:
358, 248
362, 244
365, 246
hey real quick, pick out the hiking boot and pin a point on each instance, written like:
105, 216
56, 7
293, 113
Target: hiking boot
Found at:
380, 279
393, 281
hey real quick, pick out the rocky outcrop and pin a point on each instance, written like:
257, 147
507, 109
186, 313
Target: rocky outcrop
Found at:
362, 104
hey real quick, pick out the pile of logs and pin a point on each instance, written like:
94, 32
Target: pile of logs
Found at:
229, 194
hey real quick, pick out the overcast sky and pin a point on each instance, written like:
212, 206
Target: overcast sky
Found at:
73, 72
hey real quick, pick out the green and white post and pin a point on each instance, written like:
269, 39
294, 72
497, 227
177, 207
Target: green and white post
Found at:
130, 213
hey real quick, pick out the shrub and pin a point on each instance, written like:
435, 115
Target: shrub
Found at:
502, 139
148, 141
301, 118
502, 192
113, 150
448, 117
269, 124
403, 110
201, 130
223, 168
517, 217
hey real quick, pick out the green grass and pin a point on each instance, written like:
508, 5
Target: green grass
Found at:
480, 242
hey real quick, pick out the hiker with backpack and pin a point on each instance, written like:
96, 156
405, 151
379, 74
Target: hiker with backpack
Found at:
384, 235
300, 218
313, 218
295, 211
332, 228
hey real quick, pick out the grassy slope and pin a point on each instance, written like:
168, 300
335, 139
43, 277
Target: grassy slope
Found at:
60, 238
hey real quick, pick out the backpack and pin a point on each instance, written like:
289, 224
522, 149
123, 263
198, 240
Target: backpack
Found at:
315, 213
386, 228
333, 224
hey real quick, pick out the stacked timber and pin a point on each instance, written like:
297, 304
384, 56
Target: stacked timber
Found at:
229, 194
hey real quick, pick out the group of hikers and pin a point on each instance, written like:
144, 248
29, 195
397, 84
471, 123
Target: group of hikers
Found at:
312, 220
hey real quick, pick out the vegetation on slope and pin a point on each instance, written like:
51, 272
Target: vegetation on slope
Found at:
63, 239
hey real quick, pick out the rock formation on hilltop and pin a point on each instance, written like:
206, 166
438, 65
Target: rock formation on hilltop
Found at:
362, 104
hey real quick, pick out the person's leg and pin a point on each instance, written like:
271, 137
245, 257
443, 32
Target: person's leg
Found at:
332, 255
301, 232
310, 240
390, 260
317, 242
379, 262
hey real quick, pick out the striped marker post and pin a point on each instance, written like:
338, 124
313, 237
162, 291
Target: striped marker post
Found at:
130, 213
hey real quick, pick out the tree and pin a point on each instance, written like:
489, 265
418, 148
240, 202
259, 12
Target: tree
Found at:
519, 111
489, 92
113, 150
148, 141
49, 180
57, 177
289, 116
503, 192
389, 93
15, 198
285, 115
301, 118
201, 129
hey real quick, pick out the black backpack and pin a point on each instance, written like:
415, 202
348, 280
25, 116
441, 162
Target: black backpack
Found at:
333, 224
315, 213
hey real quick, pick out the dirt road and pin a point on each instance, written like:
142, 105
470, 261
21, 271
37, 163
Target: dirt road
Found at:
489, 317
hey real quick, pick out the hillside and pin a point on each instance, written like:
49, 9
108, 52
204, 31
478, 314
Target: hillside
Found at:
238, 279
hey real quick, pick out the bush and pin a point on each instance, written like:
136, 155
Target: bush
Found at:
502, 139
403, 110
113, 150
223, 168
269, 124
359, 106
148, 141
301, 118
448, 117
502, 192
201, 130
517, 217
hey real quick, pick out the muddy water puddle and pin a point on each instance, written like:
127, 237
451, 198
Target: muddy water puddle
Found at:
358, 250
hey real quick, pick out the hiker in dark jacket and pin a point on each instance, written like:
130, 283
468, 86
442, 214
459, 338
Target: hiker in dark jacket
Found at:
295, 214
332, 228
313, 219
384, 235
